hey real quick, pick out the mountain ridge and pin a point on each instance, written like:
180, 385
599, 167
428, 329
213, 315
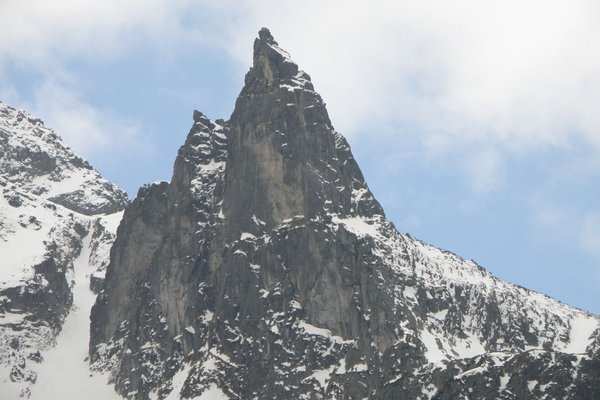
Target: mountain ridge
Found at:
272, 272
265, 268
35, 158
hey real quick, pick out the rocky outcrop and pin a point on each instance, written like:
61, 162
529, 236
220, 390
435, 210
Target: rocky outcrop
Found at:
267, 269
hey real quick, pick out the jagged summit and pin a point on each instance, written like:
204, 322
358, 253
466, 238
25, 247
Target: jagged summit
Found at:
273, 66
34, 157
267, 269
281, 128
265, 35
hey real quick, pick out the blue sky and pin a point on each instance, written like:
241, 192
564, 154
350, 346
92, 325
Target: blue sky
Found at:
476, 123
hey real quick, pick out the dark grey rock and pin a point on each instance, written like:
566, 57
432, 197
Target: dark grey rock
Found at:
267, 267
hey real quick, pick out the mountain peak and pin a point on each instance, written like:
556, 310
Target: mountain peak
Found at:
35, 159
266, 269
283, 146
272, 65
265, 35
58, 217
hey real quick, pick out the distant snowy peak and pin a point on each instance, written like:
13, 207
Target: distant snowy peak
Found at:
34, 158
50, 200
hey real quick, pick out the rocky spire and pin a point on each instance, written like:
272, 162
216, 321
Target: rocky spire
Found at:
285, 159
271, 65
266, 269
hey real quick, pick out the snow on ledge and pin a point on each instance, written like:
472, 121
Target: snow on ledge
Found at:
358, 226
582, 328
316, 331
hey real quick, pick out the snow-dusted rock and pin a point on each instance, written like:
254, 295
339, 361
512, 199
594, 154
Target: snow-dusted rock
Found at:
267, 269
35, 159
50, 200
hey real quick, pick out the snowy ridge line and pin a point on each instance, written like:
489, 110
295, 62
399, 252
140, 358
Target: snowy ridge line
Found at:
48, 203
439, 268
376, 228
450, 266
36, 159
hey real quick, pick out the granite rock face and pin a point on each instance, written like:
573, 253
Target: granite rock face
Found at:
266, 269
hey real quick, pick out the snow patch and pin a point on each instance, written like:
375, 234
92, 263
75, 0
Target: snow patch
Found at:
213, 392
316, 331
433, 353
358, 226
582, 328
247, 236
178, 382
65, 372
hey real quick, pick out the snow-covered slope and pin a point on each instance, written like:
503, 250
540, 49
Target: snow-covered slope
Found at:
34, 158
50, 201
64, 373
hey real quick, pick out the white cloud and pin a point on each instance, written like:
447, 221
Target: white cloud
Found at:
83, 127
522, 73
42, 37
511, 76
42, 34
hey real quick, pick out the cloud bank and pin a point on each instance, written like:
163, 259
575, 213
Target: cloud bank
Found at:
517, 74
